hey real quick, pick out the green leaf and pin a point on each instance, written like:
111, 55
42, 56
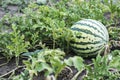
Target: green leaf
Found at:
57, 65
76, 61
115, 63
27, 64
31, 53
44, 67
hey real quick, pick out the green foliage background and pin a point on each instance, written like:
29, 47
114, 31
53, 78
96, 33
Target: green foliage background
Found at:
48, 27
50, 24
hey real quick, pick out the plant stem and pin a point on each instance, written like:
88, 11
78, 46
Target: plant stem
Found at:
11, 71
68, 46
76, 75
2, 57
4, 63
54, 44
17, 61
31, 76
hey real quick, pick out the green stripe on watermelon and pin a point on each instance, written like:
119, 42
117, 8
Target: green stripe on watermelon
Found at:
86, 27
98, 25
84, 43
88, 46
87, 51
85, 37
88, 32
91, 26
92, 54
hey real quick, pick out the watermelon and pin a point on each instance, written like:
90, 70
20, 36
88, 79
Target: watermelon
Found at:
90, 37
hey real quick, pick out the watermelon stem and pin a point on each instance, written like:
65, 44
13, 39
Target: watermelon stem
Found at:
68, 46
54, 44
107, 49
17, 61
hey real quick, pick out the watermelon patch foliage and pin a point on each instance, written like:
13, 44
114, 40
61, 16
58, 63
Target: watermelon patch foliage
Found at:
40, 38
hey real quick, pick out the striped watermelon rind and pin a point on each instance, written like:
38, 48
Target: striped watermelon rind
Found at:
91, 36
